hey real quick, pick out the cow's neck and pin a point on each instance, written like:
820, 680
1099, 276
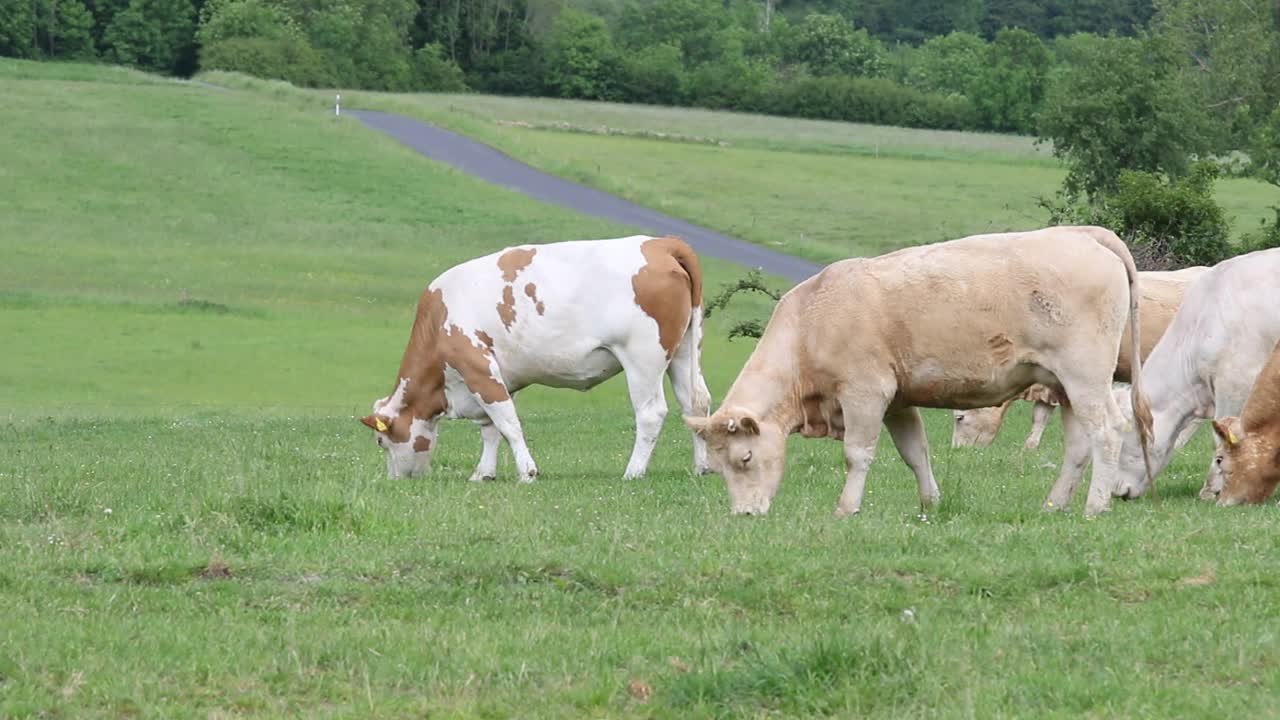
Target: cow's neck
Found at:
769, 385
1177, 395
423, 367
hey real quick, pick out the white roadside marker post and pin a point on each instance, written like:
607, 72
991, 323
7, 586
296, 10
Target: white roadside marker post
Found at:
337, 105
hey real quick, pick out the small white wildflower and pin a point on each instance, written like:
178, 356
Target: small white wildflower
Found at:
106, 511
908, 615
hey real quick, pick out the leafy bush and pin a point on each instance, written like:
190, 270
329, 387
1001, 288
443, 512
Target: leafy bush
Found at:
732, 83
653, 75
514, 72
287, 58
868, 100
434, 72
580, 57
1167, 222
830, 45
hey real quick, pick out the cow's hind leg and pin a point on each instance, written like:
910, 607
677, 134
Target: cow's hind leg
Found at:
643, 371
1100, 421
488, 467
907, 430
1039, 421
691, 392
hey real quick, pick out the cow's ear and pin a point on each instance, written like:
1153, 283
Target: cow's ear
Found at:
1223, 428
698, 424
375, 422
749, 425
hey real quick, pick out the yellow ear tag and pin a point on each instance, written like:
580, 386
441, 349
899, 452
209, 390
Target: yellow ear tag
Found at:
382, 427
1231, 438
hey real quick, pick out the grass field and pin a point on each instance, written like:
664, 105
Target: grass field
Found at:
201, 289
823, 190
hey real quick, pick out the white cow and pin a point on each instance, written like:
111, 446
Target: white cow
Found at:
960, 324
570, 314
1207, 361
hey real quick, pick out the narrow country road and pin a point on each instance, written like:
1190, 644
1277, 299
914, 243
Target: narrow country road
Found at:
486, 163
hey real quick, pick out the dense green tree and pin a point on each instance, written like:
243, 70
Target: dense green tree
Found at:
653, 75
831, 45
949, 64
1120, 105
1233, 51
580, 57
17, 29
151, 34
1011, 86
225, 19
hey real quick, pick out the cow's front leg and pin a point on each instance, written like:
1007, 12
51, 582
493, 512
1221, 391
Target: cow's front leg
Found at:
650, 404
1039, 421
503, 415
862, 419
907, 430
488, 467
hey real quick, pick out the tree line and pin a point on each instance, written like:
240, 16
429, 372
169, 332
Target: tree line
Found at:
971, 64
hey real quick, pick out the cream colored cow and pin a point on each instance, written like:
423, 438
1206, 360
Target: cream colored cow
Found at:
1249, 446
1161, 293
960, 324
571, 315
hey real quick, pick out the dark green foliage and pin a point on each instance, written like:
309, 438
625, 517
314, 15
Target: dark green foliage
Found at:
1168, 222
831, 45
1010, 88
1119, 104
652, 75
433, 71
753, 282
580, 58
285, 58
869, 100
151, 34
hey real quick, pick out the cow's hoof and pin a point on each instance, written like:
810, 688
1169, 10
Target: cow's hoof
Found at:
702, 470
526, 478
1093, 511
1208, 494
842, 513
1051, 506
479, 477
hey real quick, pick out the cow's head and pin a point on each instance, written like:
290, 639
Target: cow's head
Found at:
750, 453
976, 427
1248, 460
1131, 473
407, 439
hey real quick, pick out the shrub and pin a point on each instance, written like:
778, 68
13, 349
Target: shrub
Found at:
434, 72
869, 100
1167, 222
652, 75
287, 58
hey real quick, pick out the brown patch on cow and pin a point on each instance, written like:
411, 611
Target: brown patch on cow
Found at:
1001, 349
422, 443
507, 308
515, 260
485, 338
472, 363
667, 287
532, 291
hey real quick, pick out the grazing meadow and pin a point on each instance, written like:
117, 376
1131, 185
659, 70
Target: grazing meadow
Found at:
200, 292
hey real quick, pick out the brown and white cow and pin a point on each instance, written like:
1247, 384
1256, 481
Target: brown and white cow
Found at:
570, 315
1161, 293
959, 324
1249, 446
1207, 361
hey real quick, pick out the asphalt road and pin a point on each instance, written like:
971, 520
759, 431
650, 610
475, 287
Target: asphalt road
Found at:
489, 164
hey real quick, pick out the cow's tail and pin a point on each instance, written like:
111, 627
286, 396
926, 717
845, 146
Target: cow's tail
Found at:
692, 340
1141, 405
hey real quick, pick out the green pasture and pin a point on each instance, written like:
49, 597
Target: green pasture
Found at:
199, 292
824, 190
